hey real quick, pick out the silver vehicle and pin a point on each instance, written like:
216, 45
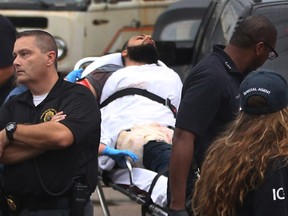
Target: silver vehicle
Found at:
85, 28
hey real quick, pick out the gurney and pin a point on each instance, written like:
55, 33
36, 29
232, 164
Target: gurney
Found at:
140, 185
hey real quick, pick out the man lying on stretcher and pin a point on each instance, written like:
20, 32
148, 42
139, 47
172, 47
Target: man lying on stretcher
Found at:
135, 122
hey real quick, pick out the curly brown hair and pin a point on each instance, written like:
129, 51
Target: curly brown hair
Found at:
236, 162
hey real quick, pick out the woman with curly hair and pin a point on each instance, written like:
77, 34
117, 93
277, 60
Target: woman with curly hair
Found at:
245, 172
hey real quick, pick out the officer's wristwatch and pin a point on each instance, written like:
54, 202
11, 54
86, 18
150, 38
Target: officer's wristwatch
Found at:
10, 129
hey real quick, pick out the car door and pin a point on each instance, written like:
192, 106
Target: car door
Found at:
277, 13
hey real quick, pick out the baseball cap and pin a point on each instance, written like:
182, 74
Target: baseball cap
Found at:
270, 86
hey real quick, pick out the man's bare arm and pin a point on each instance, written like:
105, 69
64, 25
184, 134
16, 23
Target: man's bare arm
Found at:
47, 135
17, 151
180, 164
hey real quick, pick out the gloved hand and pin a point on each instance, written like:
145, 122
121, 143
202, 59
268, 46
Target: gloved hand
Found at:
74, 75
119, 155
178, 212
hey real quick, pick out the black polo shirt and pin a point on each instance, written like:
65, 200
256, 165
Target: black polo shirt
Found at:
210, 99
54, 169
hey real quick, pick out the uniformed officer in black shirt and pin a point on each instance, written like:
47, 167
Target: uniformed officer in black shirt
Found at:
49, 136
210, 100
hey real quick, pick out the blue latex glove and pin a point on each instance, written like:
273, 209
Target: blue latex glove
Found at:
119, 155
74, 75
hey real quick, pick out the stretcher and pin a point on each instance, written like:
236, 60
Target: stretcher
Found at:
147, 188
139, 185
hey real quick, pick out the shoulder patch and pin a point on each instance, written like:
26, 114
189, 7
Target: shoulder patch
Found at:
47, 115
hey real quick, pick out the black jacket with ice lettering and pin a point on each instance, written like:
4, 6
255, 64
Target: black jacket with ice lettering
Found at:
270, 198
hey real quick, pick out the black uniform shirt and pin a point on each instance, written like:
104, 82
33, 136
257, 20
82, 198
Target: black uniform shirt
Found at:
271, 198
7, 40
210, 99
54, 169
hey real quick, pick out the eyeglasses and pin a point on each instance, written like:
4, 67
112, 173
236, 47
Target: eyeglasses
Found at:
273, 54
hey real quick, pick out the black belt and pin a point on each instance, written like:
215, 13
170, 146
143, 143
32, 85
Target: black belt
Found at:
168, 126
143, 92
16, 204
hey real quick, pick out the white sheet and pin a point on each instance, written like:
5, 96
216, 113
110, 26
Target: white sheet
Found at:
114, 58
142, 178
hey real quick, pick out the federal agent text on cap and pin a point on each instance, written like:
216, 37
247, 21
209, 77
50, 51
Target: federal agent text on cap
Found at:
271, 89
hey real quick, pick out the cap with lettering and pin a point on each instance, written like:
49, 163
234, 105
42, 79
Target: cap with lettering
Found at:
270, 86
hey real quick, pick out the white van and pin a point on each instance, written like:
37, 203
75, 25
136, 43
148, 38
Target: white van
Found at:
85, 27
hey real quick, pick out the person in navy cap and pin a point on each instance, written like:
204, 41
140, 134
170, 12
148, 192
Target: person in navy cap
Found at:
245, 170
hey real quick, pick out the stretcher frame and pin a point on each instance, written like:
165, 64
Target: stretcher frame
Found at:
129, 191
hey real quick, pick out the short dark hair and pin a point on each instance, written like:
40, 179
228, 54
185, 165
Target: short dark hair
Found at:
252, 29
44, 40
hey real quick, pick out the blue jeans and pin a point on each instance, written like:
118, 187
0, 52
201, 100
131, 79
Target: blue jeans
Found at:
156, 156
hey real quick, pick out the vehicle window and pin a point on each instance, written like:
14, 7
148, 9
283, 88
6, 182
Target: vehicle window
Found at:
207, 31
44, 4
183, 30
225, 27
42, 1
279, 17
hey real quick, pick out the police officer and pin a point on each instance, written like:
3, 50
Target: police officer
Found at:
49, 136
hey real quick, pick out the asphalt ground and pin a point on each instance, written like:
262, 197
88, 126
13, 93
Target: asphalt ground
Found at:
118, 204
